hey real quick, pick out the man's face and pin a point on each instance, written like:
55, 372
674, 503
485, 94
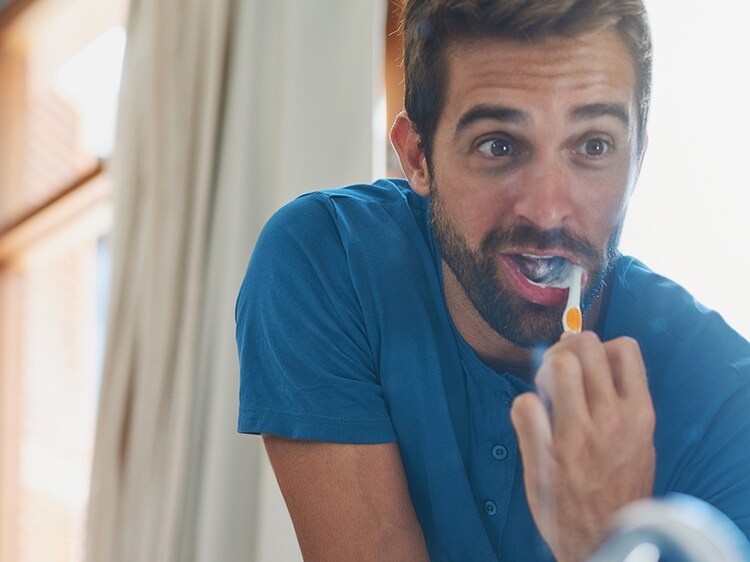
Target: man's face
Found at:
533, 160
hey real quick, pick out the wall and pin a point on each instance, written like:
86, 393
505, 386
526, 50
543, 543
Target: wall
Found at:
688, 216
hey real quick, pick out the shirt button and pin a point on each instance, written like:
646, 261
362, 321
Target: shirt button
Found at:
490, 508
499, 452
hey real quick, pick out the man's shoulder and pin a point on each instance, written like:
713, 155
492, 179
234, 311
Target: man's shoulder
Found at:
366, 232
386, 214
667, 320
653, 299
381, 193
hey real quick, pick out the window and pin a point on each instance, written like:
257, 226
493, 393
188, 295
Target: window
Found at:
60, 64
688, 215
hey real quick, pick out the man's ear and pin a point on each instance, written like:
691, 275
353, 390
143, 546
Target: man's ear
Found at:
639, 162
642, 155
407, 143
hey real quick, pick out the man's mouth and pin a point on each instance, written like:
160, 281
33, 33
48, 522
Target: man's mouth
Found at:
539, 279
543, 271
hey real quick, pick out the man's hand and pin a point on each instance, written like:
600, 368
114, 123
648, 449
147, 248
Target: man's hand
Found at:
586, 440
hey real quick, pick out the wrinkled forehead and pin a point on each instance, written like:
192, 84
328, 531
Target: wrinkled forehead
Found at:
554, 56
592, 68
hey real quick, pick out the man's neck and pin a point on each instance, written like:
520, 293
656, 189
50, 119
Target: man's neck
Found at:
495, 351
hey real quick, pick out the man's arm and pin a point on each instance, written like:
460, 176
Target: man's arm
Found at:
347, 502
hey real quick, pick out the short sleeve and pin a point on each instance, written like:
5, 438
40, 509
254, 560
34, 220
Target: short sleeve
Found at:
306, 368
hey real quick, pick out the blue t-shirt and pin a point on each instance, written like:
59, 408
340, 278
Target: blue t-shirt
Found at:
344, 336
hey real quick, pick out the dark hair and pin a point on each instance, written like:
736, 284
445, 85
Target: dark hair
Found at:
431, 26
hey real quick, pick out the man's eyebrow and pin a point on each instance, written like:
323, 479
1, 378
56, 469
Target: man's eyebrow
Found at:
595, 110
495, 112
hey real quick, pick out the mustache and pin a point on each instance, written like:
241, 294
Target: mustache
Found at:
530, 237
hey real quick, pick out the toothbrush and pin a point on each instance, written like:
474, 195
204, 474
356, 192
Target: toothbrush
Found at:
572, 319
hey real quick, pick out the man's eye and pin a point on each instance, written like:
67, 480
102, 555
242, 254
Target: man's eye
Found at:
595, 147
498, 148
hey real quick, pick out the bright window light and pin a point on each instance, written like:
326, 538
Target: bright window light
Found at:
688, 215
90, 81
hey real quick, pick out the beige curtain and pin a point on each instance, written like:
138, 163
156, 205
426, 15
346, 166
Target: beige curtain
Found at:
228, 109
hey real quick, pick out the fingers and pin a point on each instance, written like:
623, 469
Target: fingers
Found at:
532, 424
601, 394
581, 376
629, 377
626, 362
561, 386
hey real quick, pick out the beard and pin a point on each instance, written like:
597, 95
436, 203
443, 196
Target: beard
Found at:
523, 323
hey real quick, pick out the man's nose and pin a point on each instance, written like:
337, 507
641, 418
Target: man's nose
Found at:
545, 194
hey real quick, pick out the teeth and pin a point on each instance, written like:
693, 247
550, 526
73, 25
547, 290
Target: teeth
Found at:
544, 270
535, 257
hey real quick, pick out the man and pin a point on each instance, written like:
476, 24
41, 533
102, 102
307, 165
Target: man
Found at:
392, 336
